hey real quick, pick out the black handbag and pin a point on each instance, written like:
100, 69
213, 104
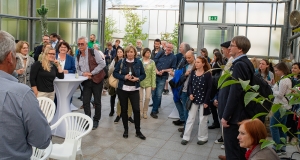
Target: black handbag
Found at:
188, 104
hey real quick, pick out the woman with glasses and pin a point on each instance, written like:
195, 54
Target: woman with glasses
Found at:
24, 62
44, 72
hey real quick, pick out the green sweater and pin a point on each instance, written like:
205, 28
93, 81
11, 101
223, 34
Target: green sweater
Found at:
91, 44
150, 80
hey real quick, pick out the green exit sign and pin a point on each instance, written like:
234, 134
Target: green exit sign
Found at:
212, 18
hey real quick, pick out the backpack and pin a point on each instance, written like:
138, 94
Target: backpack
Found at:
264, 89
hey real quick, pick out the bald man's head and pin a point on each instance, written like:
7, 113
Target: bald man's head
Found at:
189, 56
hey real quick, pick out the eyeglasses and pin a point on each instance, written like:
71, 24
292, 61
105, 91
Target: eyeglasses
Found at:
231, 45
80, 44
51, 54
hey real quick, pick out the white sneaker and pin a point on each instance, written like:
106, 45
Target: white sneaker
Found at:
222, 146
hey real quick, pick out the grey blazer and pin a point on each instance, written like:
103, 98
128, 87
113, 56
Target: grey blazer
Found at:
21, 77
263, 154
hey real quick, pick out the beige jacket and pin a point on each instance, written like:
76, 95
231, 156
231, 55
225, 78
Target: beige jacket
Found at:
263, 154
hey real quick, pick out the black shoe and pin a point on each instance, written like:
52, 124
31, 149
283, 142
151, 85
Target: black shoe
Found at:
179, 123
154, 115
140, 135
125, 134
213, 126
111, 113
151, 105
95, 125
130, 120
180, 129
117, 119
220, 140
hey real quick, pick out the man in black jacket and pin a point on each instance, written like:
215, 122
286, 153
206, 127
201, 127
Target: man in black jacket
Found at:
38, 49
231, 98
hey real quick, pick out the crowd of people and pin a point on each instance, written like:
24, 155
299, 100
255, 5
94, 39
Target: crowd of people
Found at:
145, 73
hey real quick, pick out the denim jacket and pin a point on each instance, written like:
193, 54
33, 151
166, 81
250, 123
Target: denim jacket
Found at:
138, 70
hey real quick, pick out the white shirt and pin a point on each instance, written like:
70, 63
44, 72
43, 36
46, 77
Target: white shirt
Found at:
280, 90
61, 62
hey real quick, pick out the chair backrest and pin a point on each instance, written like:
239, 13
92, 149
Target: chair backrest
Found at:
41, 154
48, 107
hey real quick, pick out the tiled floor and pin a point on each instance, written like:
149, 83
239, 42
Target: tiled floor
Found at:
163, 139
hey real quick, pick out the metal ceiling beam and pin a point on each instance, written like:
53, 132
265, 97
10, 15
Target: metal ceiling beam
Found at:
238, 1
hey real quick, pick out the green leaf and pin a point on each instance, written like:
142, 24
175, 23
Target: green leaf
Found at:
279, 146
283, 127
282, 112
223, 78
266, 143
288, 76
229, 82
258, 115
296, 30
297, 133
255, 87
244, 83
275, 107
249, 96
271, 96
283, 140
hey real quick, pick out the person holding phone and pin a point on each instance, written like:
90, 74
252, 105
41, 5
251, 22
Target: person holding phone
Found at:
44, 72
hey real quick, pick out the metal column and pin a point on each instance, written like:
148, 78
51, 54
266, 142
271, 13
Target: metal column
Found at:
101, 23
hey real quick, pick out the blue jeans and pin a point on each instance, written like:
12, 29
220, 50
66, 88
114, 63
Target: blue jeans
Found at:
180, 105
277, 132
157, 93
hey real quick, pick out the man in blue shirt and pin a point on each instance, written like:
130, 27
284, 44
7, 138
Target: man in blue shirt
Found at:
22, 123
165, 62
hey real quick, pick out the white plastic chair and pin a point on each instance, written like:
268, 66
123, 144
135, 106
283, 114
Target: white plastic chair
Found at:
76, 124
41, 154
48, 107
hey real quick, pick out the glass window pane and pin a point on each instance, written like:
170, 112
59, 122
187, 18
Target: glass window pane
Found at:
65, 31
190, 12
236, 12
52, 27
23, 9
275, 42
10, 26
259, 13
52, 8
66, 8
171, 21
190, 35
82, 13
38, 33
153, 21
94, 8
212, 40
162, 21
215, 10
23, 34
280, 13
82, 29
259, 44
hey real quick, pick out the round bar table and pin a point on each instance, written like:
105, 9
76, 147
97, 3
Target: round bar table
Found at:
64, 90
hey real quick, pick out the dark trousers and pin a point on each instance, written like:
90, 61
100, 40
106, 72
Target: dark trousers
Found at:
134, 97
214, 113
90, 88
233, 151
112, 102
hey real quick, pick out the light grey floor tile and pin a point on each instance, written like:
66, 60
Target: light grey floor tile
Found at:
188, 156
168, 154
216, 152
175, 146
132, 156
161, 135
145, 150
198, 150
154, 142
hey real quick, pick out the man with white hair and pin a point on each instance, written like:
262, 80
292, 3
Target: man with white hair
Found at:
90, 64
22, 122
139, 48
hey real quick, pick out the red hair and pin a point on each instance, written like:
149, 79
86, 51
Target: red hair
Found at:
256, 129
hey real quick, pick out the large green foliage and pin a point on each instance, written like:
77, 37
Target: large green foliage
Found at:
171, 37
133, 28
43, 12
110, 29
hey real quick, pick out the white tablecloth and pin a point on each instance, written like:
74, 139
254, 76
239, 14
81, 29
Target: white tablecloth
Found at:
64, 89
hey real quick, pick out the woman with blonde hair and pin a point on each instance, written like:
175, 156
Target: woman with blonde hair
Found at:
45, 45
24, 62
43, 74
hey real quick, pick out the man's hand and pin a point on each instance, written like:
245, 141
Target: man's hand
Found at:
87, 74
205, 105
20, 71
215, 103
159, 73
224, 123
